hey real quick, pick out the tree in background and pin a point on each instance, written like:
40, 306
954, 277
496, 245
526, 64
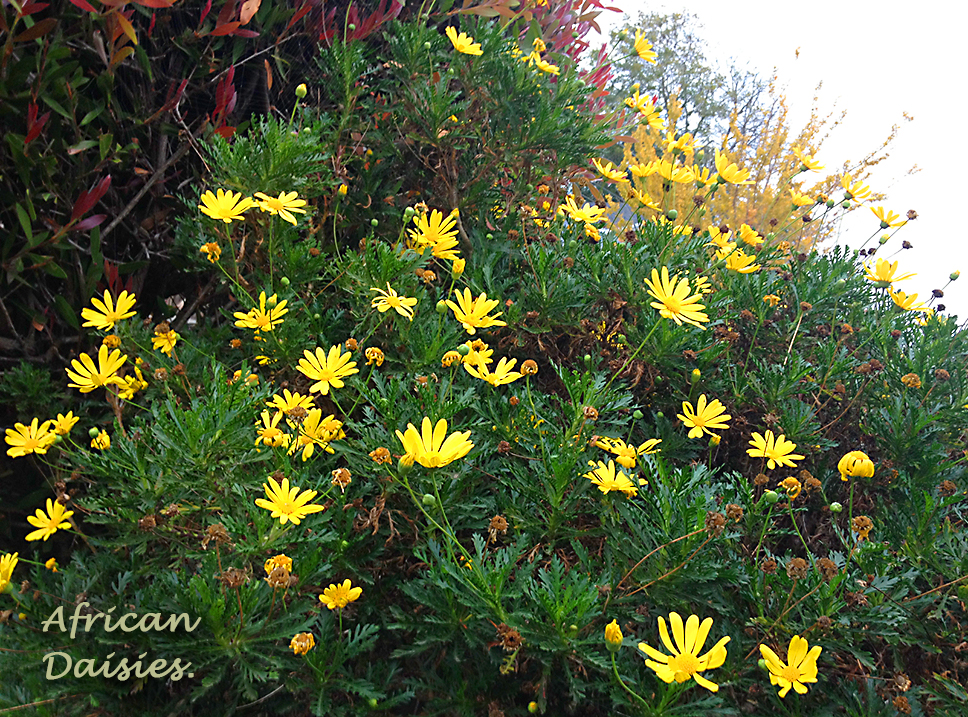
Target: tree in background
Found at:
706, 111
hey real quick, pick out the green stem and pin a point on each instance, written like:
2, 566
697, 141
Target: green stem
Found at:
624, 686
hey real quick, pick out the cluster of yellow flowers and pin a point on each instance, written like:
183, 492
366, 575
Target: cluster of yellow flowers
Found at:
685, 661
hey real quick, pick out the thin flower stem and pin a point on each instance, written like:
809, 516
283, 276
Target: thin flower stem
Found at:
793, 519
634, 354
624, 686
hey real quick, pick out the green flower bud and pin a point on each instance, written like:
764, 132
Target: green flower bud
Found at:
573, 631
771, 236
836, 508
671, 215
953, 276
301, 91
284, 281
463, 349
272, 301
846, 205
771, 496
660, 414
762, 664
882, 284
659, 379
317, 317
441, 307
351, 27
533, 708
529, 187
638, 415
572, 245
374, 222
408, 213
702, 211
426, 45
840, 285
344, 544
694, 377
93, 433
58, 438
884, 239
587, 358
372, 702
830, 203
489, 236
429, 500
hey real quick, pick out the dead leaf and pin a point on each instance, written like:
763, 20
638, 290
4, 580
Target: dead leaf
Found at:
248, 11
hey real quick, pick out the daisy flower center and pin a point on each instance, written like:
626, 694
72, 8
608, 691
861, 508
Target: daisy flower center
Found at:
686, 662
790, 674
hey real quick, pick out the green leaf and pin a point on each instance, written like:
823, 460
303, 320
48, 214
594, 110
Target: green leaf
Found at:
24, 223
92, 115
105, 144
66, 311
81, 146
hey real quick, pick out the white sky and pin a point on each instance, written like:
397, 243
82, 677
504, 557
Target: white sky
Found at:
876, 60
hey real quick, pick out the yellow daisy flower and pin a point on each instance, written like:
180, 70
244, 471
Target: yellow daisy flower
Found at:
328, 371
685, 662
283, 205
287, 504
225, 206
432, 447
106, 313
50, 522
673, 301
339, 596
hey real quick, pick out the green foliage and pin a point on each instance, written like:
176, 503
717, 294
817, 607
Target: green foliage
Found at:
485, 560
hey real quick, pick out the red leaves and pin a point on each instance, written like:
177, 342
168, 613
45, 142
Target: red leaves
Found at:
225, 99
34, 124
86, 201
84, 5
39, 30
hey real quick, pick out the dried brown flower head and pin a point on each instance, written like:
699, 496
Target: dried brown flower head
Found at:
147, 523
768, 566
734, 512
380, 455
503, 448
715, 523
797, 568
279, 577
342, 478
510, 639
590, 413
761, 479
941, 375
234, 577
514, 400
351, 345
947, 488
217, 533
862, 525
828, 568
911, 380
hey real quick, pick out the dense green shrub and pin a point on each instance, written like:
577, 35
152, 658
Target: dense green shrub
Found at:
413, 247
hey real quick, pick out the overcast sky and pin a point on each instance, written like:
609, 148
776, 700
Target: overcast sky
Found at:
877, 61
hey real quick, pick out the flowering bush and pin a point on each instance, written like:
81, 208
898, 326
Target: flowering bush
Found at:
418, 510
